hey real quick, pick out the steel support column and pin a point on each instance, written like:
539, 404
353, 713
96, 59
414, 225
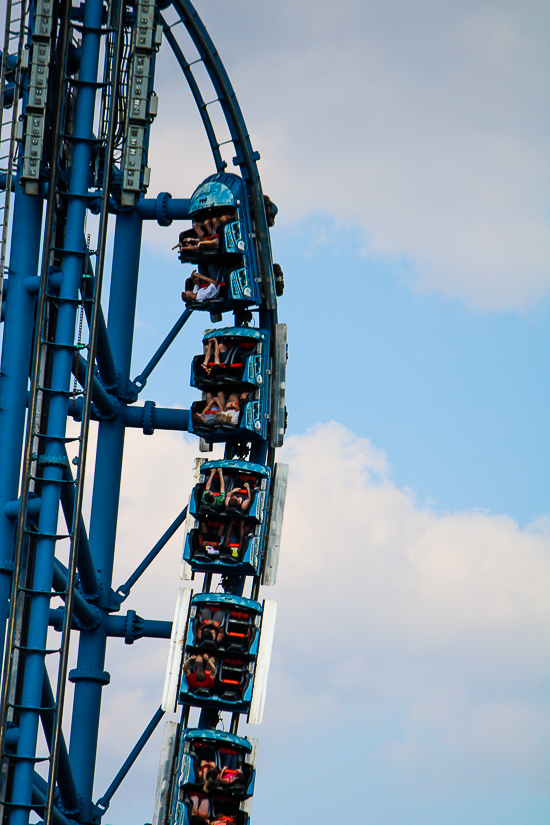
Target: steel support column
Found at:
60, 382
103, 526
14, 372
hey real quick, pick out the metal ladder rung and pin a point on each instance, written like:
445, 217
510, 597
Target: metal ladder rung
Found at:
48, 481
24, 757
60, 345
65, 439
76, 301
81, 252
36, 649
30, 707
49, 593
68, 393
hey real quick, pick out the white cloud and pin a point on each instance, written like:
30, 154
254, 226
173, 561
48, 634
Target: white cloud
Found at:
441, 615
421, 124
386, 611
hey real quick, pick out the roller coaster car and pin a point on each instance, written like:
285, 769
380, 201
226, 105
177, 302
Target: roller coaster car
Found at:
214, 761
232, 356
229, 256
226, 530
235, 654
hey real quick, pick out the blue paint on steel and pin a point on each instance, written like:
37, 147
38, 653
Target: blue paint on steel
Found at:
159, 418
130, 627
14, 371
104, 802
60, 382
124, 590
69, 798
164, 209
244, 259
110, 447
141, 380
147, 628
86, 568
106, 404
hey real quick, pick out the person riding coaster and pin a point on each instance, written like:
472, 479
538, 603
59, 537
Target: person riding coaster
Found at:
223, 359
204, 237
210, 627
200, 287
200, 672
221, 410
224, 538
215, 500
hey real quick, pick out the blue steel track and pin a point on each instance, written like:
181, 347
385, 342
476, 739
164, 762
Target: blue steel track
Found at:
78, 105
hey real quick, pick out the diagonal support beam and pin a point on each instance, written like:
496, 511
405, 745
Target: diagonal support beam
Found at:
140, 380
85, 563
123, 591
110, 376
88, 615
65, 780
39, 796
105, 801
106, 404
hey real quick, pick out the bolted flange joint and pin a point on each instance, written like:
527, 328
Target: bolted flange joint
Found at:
84, 674
68, 811
134, 627
161, 209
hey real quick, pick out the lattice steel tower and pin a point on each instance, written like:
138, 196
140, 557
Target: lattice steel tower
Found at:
77, 104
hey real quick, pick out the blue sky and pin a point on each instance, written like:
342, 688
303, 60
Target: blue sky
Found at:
406, 146
458, 399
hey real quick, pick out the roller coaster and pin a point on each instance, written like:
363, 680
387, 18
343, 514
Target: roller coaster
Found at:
77, 105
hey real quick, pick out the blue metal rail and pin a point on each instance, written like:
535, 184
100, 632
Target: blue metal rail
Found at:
57, 171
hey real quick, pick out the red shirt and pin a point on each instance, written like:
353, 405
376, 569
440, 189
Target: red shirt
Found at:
194, 684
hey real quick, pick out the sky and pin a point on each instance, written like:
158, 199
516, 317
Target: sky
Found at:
406, 148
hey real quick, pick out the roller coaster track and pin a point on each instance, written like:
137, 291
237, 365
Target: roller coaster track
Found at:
55, 171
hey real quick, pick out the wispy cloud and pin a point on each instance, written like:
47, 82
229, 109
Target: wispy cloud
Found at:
421, 125
430, 627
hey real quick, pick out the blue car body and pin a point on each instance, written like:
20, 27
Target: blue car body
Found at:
235, 655
194, 741
235, 261
245, 363
187, 774
254, 411
250, 562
